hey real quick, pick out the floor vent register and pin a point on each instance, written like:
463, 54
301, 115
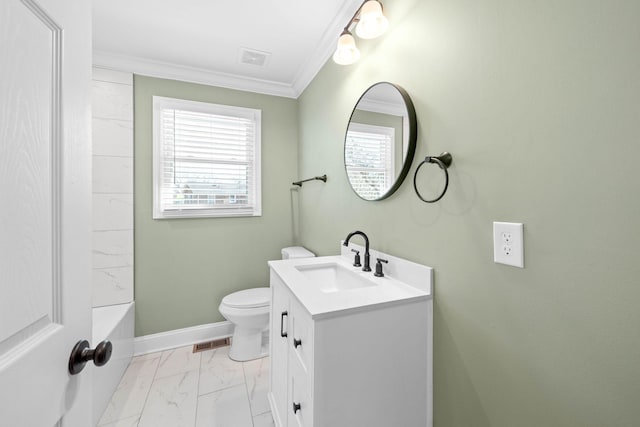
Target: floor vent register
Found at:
210, 345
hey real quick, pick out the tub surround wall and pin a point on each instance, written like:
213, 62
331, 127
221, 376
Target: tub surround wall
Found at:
184, 267
526, 96
112, 110
113, 323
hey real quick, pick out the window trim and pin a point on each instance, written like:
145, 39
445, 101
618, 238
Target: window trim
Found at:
389, 132
160, 103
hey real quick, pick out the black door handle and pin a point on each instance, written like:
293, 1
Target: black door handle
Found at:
282, 333
81, 354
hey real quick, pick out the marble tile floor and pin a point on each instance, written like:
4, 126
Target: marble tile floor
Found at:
179, 388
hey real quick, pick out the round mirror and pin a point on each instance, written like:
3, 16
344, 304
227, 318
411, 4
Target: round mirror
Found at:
380, 141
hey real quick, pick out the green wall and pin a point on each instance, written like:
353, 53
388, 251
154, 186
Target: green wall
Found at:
184, 267
539, 104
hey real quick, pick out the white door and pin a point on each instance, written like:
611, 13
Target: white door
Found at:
45, 210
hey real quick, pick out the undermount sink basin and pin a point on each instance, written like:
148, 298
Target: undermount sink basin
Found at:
333, 277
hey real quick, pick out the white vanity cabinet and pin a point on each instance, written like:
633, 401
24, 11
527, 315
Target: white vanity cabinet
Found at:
279, 351
365, 366
291, 343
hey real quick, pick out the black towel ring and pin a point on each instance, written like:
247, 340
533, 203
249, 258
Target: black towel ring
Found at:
444, 161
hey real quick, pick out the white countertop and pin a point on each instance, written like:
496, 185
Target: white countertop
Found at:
388, 290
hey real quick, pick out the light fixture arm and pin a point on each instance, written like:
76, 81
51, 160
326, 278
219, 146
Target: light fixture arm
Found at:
355, 18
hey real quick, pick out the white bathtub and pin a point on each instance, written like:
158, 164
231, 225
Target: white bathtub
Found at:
115, 323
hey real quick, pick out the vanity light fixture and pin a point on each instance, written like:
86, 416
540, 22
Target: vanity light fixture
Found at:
346, 52
371, 23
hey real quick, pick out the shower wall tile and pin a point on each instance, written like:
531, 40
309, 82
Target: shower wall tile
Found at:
112, 181
112, 248
112, 137
112, 286
112, 212
112, 174
112, 100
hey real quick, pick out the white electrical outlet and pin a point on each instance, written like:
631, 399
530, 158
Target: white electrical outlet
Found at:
508, 243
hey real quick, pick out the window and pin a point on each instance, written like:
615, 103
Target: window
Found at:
206, 160
369, 159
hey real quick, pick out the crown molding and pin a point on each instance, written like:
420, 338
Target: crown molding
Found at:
171, 71
325, 48
302, 79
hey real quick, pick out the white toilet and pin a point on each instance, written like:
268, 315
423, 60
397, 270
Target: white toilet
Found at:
248, 310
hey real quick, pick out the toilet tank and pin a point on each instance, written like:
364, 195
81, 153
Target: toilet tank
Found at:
296, 252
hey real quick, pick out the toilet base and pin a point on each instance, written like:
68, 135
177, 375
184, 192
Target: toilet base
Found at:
248, 344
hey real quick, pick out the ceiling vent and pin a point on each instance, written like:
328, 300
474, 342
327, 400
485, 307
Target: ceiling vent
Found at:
254, 57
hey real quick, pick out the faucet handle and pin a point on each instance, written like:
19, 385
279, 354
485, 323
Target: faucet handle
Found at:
356, 260
379, 272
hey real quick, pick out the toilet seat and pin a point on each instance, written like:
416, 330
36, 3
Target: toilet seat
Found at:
248, 298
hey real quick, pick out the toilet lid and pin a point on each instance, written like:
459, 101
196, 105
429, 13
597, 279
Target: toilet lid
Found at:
249, 298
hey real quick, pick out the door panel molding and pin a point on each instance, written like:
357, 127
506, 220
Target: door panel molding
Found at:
27, 132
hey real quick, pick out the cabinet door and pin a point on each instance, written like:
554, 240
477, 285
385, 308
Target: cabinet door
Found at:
300, 405
301, 335
279, 350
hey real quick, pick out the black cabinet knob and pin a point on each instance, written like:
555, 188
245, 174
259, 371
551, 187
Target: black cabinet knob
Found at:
81, 354
296, 342
296, 407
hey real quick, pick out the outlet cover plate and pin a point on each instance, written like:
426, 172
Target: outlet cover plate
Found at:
508, 243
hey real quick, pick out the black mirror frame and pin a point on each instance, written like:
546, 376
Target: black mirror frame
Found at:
411, 149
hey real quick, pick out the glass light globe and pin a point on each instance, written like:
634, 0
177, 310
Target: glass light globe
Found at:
372, 22
346, 52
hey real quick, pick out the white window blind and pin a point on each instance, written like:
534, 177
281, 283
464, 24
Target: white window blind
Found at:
369, 159
206, 159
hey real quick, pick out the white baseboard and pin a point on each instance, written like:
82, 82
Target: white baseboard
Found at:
181, 337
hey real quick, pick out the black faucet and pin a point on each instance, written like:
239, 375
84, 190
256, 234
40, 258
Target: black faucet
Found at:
366, 266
